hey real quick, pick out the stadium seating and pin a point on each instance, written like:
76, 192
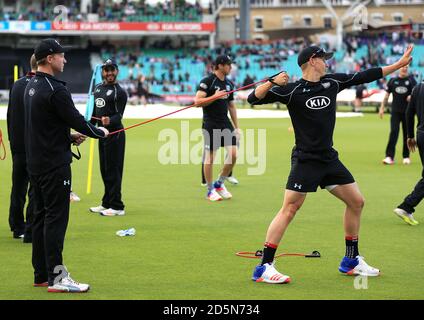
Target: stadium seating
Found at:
161, 59
189, 67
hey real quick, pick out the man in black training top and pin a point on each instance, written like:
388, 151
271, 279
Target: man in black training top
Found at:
311, 102
401, 88
49, 115
416, 107
20, 176
109, 105
218, 131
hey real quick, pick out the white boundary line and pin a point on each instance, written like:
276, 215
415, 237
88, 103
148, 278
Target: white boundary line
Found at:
156, 110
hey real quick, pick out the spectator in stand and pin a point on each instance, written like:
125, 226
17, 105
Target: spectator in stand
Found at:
248, 80
142, 91
274, 55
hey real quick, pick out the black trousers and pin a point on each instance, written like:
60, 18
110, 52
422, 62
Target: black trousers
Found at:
51, 215
397, 118
20, 182
111, 153
414, 198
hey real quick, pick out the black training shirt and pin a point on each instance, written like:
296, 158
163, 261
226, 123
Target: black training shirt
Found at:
415, 107
401, 88
110, 101
16, 114
50, 114
312, 106
217, 111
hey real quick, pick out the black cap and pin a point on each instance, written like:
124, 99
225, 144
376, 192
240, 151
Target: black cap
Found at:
110, 62
312, 51
223, 59
47, 47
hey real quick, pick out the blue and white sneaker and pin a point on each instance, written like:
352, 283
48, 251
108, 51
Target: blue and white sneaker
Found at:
213, 196
222, 191
268, 274
357, 267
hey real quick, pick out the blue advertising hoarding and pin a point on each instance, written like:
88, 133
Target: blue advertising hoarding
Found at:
4, 25
41, 25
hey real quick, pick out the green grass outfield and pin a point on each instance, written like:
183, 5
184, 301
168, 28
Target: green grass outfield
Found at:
185, 246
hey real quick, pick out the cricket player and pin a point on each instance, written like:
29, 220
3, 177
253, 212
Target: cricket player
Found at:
311, 102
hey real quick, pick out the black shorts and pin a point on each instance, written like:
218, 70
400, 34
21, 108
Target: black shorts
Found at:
216, 135
307, 174
142, 93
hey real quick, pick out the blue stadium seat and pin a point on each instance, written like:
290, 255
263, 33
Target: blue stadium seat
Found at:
197, 69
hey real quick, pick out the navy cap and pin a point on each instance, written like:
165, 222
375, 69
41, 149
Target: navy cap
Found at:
313, 51
47, 47
110, 62
223, 59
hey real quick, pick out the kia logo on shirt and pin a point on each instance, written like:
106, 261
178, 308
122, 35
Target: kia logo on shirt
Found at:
319, 102
401, 90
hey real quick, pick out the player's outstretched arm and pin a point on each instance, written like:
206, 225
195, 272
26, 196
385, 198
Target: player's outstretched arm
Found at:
263, 93
402, 62
282, 79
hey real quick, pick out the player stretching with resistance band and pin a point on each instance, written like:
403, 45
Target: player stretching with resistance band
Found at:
311, 102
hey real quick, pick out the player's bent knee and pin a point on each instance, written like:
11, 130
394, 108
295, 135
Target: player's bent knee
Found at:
290, 210
291, 213
362, 202
358, 203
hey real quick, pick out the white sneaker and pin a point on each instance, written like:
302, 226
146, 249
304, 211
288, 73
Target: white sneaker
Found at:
405, 216
74, 197
213, 196
406, 161
363, 269
97, 209
388, 160
69, 285
223, 192
268, 274
112, 212
203, 184
232, 180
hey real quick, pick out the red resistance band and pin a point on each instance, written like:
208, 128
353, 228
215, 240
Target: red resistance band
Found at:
2, 146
